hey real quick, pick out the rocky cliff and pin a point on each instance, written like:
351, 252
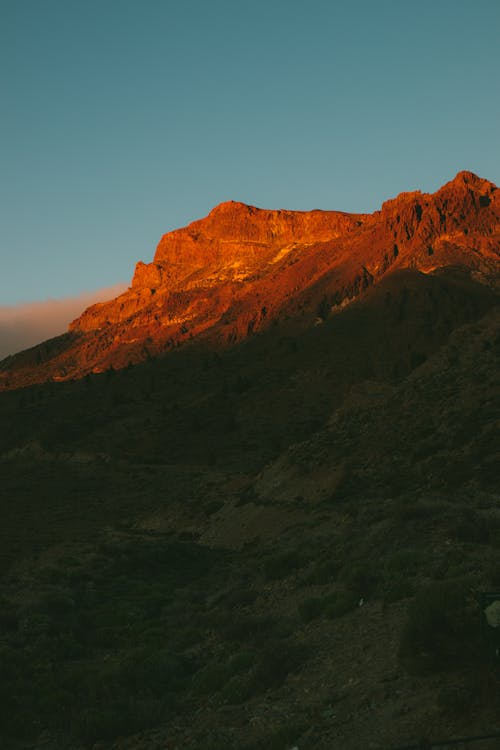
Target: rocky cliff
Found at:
224, 277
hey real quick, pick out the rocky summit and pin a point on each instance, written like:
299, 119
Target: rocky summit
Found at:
242, 269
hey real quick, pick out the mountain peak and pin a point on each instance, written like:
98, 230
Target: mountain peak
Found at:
470, 180
466, 177
230, 208
241, 268
232, 205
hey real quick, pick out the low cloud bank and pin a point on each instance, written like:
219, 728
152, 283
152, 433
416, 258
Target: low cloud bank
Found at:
30, 323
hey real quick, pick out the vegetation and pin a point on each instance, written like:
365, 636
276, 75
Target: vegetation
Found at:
248, 549
442, 626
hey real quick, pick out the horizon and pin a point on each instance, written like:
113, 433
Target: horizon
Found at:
122, 123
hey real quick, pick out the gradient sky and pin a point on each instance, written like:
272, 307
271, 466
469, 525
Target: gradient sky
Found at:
123, 119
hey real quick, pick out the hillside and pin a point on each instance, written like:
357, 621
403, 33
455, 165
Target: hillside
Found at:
270, 535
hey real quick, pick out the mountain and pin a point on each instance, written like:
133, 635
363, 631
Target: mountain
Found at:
242, 269
275, 530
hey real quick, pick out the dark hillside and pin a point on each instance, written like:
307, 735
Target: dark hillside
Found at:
264, 541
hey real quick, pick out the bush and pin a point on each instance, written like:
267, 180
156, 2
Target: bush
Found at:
155, 672
282, 564
252, 628
219, 745
281, 739
359, 578
275, 662
470, 526
397, 587
98, 724
238, 597
311, 608
58, 603
211, 678
212, 507
237, 690
242, 661
441, 626
8, 615
331, 606
322, 573
118, 719
399, 572
404, 561
340, 603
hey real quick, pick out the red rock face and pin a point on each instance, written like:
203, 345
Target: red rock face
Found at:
232, 243
239, 269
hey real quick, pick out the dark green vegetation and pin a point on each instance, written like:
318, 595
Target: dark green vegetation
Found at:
274, 545
131, 638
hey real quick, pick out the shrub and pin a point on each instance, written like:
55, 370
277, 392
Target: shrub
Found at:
58, 603
470, 526
211, 678
404, 561
219, 745
118, 719
340, 603
440, 626
255, 628
155, 672
322, 573
239, 597
400, 570
280, 739
455, 699
8, 615
212, 507
242, 661
359, 578
331, 606
276, 661
237, 690
311, 608
397, 587
282, 564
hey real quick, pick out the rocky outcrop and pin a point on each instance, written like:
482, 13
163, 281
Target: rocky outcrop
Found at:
233, 242
241, 268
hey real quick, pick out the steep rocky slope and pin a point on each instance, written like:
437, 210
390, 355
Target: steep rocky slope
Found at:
241, 269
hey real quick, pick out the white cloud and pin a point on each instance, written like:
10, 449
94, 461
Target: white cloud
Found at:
29, 323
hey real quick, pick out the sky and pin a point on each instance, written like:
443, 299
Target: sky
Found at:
124, 119
28, 323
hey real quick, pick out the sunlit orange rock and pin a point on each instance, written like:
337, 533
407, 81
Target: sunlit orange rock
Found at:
241, 268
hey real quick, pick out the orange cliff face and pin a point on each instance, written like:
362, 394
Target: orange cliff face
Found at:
234, 272
232, 243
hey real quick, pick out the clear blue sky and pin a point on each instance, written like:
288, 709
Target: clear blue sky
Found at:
122, 119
